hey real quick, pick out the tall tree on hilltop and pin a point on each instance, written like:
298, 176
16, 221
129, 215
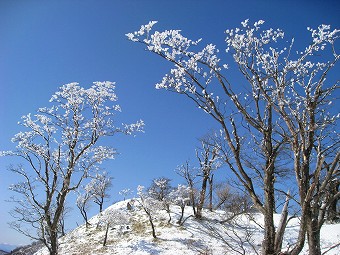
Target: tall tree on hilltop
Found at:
160, 188
59, 149
284, 101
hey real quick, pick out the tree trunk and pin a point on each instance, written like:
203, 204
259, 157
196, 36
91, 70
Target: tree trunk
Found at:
211, 192
169, 212
269, 231
192, 198
179, 222
282, 226
106, 233
268, 244
332, 213
200, 203
152, 226
313, 236
54, 242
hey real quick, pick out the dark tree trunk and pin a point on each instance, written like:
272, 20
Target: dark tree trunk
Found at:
211, 179
192, 199
269, 228
106, 233
313, 236
179, 222
54, 242
168, 211
332, 213
152, 226
200, 203
268, 244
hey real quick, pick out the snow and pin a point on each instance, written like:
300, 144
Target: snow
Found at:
206, 236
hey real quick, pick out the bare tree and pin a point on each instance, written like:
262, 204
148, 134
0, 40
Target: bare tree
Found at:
59, 150
295, 86
83, 204
189, 174
62, 225
207, 156
181, 197
98, 188
285, 102
150, 207
192, 76
125, 193
233, 202
160, 188
110, 218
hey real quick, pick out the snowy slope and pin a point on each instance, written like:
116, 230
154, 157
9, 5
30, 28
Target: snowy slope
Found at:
206, 236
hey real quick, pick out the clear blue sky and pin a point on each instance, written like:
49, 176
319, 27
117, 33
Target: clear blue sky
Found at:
45, 44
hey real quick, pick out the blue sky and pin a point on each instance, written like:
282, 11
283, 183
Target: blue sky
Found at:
45, 44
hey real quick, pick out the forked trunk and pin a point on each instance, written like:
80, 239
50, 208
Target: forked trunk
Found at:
200, 204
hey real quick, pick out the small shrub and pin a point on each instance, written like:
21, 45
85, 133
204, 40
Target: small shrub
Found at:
138, 227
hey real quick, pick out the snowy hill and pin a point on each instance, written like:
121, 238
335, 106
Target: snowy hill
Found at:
132, 234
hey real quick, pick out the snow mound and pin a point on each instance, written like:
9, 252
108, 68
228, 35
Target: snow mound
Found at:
129, 232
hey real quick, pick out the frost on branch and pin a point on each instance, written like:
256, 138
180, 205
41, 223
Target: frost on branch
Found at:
188, 65
135, 127
125, 193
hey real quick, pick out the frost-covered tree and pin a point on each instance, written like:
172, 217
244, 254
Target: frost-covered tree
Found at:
160, 188
62, 221
125, 193
207, 156
295, 85
83, 203
181, 197
98, 188
189, 174
59, 148
281, 98
150, 206
112, 217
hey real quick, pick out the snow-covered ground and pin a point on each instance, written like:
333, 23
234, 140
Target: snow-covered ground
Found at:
206, 236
